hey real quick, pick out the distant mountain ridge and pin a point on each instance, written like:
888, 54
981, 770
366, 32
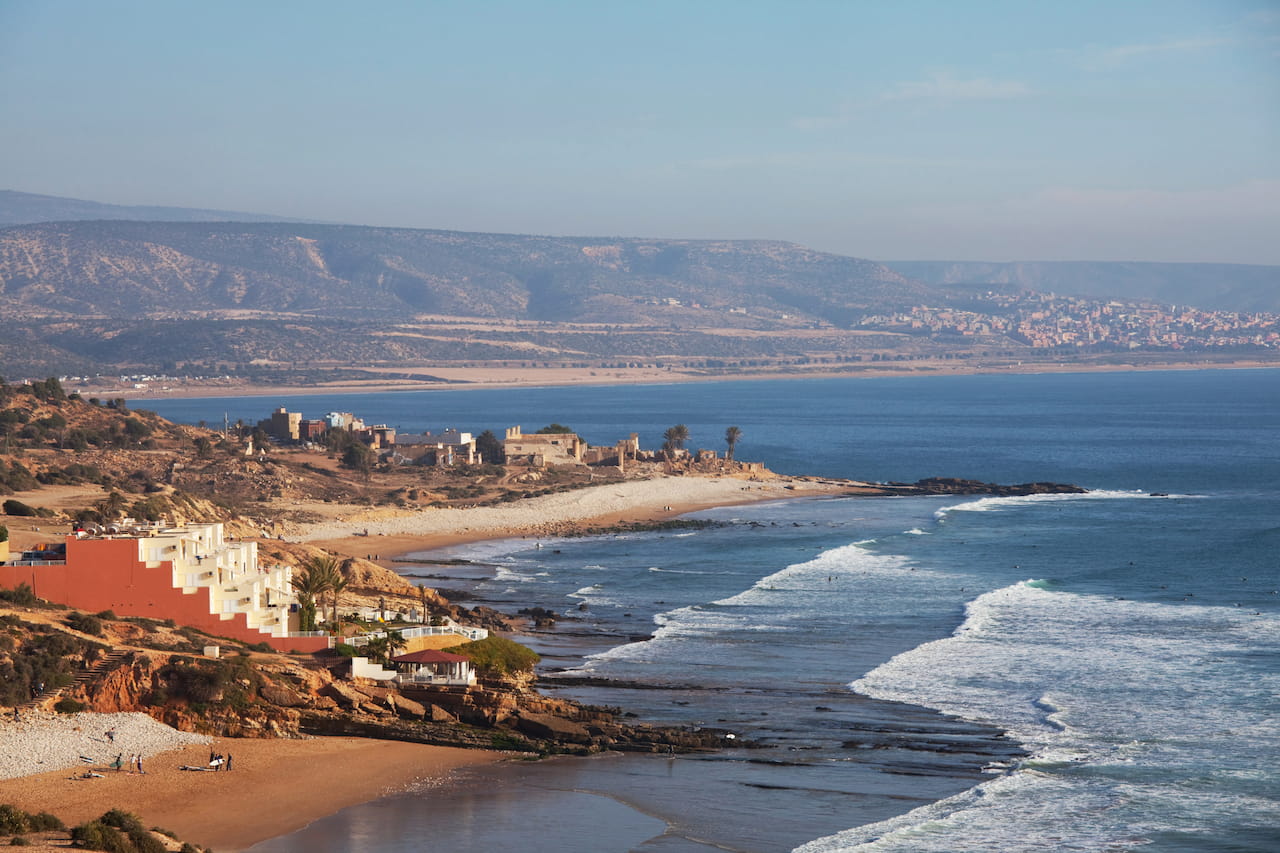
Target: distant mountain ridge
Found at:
133, 269
1215, 287
292, 302
424, 277
19, 208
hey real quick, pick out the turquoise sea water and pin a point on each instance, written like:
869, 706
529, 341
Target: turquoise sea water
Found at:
1128, 640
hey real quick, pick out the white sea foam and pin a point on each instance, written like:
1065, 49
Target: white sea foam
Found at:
1130, 709
506, 575
595, 596
679, 571
997, 504
784, 601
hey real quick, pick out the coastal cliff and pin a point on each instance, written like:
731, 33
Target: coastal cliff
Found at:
255, 694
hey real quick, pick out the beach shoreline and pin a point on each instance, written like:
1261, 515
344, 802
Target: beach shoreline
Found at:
483, 378
387, 538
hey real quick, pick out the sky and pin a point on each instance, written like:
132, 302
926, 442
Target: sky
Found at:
910, 130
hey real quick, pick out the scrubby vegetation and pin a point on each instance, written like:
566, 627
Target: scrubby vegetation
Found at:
15, 821
22, 595
85, 623
498, 656
201, 681
33, 654
118, 831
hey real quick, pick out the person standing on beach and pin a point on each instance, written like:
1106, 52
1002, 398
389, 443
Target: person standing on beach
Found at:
228, 762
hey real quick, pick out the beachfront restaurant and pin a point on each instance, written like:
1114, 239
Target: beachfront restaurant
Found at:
434, 667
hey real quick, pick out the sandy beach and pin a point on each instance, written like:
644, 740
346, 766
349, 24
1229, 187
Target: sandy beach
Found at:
452, 378
273, 788
395, 532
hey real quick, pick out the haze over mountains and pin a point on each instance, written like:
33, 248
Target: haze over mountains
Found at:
1217, 287
102, 289
19, 208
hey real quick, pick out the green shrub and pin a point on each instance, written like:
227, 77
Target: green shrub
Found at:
13, 821
496, 655
18, 508
345, 650
96, 835
45, 822
67, 705
122, 820
145, 842
85, 623
22, 595
19, 841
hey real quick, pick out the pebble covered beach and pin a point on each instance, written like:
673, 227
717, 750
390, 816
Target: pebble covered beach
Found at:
39, 741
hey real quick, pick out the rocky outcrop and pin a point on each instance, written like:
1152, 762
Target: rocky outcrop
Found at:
549, 727
407, 708
955, 486
491, 717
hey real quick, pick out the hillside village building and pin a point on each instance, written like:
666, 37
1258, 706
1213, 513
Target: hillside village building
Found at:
312, 430
284, 425
444, 449
190, 573
542, 449
343, 420
452, 447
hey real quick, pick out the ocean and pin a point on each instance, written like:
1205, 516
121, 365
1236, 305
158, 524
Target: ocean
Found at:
1092, 672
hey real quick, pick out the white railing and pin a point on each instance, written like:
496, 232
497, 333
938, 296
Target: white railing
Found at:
448, 681
472, 634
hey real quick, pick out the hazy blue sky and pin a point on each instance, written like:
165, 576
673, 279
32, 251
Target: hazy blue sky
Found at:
1144, 130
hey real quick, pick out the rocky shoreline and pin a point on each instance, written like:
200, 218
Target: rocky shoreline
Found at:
491, 717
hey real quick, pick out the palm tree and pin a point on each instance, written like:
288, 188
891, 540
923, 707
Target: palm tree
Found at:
336, 587
309, 585
395, 643
731, 436
383, 648
320, 574
112, 506
674, 438
375, 649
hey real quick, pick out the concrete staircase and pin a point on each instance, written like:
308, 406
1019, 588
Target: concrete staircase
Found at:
102, 665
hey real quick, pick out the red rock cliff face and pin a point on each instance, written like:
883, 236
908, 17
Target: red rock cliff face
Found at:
264, 704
